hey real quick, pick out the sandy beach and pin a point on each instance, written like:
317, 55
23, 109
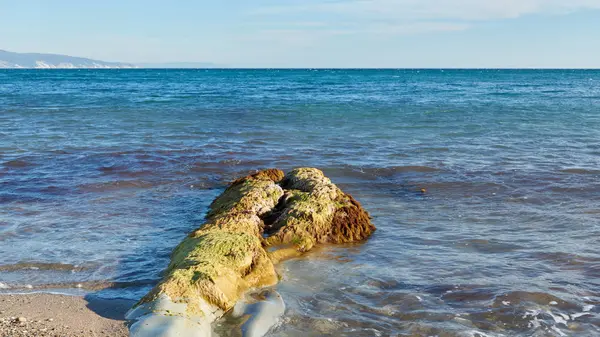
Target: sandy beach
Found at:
47, 315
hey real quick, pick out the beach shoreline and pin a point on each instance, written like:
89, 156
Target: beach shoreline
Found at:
49, 315
483, 184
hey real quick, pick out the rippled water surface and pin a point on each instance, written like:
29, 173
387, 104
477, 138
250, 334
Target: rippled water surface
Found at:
102, 173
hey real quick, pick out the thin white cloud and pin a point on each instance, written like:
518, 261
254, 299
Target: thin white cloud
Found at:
470, 10
292, 38
296, 36
381, 18
300, 26
415, 28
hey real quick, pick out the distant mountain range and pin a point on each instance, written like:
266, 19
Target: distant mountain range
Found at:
50, 61
11, 60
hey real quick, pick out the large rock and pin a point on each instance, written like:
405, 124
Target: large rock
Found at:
257, 221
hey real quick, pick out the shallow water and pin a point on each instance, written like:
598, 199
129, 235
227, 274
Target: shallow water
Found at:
102, 173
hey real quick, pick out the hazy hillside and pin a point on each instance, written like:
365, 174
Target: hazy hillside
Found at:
49, 61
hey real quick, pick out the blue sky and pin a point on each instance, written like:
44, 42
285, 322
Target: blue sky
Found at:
311, 33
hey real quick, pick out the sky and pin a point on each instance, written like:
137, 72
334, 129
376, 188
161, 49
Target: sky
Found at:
312, 33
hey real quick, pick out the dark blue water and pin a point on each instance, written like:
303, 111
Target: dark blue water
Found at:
102, 173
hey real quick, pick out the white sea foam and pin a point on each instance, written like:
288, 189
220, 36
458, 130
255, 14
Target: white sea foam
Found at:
559, 319
463, 321
165, 318
588, 307
263, 315
476, 333
534, 323
539, 319
579, 314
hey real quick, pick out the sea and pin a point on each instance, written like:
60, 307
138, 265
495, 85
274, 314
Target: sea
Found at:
484, 186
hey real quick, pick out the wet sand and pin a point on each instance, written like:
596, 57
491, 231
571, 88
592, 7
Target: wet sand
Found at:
47, 315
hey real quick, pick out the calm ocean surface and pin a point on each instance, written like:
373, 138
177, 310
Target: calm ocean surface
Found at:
102, 173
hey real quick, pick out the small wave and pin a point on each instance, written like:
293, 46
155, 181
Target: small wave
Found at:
539, 298
505, 94
257, 142
383, 172
156, 100
124, 172
86, 285
466, 187
555, 91
422, 169
433, 149
158, 155
116, 185
41, 188
468, 295
580, 171
18, 163
111, 169
42, 266
581, 191
488, 246
228, 168
564, 260
14, 197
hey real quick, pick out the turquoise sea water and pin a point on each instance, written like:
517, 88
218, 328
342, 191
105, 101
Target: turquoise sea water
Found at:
103, 172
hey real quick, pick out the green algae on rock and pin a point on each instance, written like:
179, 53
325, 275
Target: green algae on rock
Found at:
317, 211
224, 258
256, 222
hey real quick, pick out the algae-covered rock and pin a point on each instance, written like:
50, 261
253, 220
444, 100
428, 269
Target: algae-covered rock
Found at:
224, 258
317, 211
215, 265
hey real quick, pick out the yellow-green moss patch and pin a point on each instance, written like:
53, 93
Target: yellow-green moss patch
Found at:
317, 211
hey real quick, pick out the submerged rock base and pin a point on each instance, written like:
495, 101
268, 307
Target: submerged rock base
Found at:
258, 221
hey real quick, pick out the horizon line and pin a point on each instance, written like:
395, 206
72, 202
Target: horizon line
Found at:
316, 68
